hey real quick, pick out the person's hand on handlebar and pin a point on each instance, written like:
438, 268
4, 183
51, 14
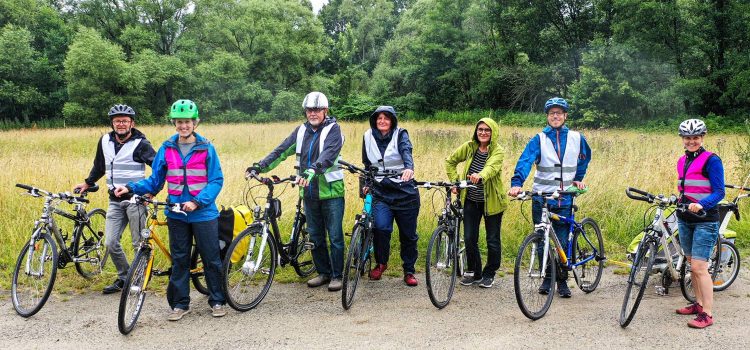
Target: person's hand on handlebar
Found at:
579, 184
81, 188
515, 191
695, 207
474, 178
252, 170
306, 177
407, 175
189, 206
120, 190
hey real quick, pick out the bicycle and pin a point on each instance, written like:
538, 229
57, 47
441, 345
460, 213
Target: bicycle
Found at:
359, 258
257, 250
143, 267
659, 234
37, 264
584, 255
446, 258
724, 262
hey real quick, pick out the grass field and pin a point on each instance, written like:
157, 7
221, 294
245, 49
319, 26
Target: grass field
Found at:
57, 159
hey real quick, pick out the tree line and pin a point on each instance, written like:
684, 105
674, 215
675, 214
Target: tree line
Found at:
619, 62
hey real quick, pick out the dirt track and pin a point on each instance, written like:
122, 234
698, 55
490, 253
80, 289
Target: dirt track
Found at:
386, 314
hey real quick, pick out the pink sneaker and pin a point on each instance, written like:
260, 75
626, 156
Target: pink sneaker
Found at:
377, 272
691, 309
702, 321
410, 280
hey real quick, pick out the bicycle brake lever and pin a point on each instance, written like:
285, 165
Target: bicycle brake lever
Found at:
177, 209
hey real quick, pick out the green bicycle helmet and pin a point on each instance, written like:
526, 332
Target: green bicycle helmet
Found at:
184, 109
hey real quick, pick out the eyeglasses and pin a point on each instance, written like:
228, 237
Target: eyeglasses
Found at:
314, 110
484, 131
121, 122
556, 114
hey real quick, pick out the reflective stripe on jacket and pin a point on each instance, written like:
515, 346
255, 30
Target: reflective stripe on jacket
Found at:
390, 160
193, 173
691, 182
120, 168
553, 173
334, 173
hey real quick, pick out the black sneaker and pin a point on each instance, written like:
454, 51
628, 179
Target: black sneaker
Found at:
544, 288
563, 290
486, 282
115, 287
469, 280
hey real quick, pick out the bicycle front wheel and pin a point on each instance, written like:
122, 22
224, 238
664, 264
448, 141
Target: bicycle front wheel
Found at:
728, 266
588, 245
529, 274
197, 272
90, 249
249, 267
440, 271
303, 264
34, 275
637, 280
354, 265
134, 291
686, 280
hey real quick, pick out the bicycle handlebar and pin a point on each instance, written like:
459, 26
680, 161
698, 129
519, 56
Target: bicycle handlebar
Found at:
445, 184
527, 195
662, 200
66, 196
373, 171
737, 187
173, 207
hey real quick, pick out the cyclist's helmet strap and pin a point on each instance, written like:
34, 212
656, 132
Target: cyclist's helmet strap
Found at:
118, 110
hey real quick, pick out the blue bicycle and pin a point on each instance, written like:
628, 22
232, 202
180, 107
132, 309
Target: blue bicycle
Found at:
359, 258
584, 255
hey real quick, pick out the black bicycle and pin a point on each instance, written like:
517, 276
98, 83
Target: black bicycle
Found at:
250, 262
37, 264
446, 258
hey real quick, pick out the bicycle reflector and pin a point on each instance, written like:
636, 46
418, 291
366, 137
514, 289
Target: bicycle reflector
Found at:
145, 233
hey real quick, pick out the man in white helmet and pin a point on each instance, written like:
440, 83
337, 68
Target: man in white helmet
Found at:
317, 144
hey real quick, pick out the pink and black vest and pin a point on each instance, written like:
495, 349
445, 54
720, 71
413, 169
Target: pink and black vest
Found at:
691, 183
194, 173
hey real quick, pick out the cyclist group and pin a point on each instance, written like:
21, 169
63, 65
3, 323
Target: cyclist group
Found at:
189, 165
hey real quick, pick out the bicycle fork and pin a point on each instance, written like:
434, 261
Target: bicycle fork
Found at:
29, 257
250, 267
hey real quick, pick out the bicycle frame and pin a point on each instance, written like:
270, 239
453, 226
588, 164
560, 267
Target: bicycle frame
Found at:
659, 231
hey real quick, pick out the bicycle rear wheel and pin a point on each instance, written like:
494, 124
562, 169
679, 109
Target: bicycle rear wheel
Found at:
440, 270
31, 287
134, 291
197, 272
637, 280
728, 266
90, 245
529, 274
303, 264
354, 265
248, 269
588, 244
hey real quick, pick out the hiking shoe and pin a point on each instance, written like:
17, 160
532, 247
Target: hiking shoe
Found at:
563, 290
691, 309
702, 321
469, 280
318, 281
486, 282
218, 310
115, 287
177, 313
377, 272
410, 280
335, 285
544, 288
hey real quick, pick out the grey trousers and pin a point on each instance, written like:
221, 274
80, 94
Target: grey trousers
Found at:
119, 215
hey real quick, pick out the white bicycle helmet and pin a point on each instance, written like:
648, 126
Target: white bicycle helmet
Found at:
315, 99
693, 127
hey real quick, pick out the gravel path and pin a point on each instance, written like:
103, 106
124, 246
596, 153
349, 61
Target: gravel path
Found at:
386, 314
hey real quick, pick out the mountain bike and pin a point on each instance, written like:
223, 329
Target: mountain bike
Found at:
252, 257
41, 256
144, 267
724, 261
446, 256
359, 258
658, 236
584, 255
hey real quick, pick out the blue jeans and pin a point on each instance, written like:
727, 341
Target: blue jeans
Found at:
473, 213
406, 219
561, 228
322, 216
697, 239
206, 235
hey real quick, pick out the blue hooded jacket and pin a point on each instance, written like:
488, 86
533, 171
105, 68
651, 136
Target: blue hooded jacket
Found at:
206, 199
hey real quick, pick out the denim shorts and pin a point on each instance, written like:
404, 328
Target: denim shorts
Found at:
698, 238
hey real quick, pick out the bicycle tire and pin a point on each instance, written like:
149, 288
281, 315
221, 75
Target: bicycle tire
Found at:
588, 242
134, 291
90, 244
730, 264
197, 271
353, 266
463, 260
440, 262
686, 281
28, 305
527, 277
643, 262
303, 263
240, 284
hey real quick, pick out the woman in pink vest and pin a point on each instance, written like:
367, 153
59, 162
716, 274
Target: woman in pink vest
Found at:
189, 165
700, 181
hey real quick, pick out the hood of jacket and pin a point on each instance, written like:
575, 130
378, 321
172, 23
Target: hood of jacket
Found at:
493, 137
390, 111
200, 141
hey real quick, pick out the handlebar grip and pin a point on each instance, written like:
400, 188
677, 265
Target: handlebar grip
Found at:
25, 187
82, 200
341, 161
646, 197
